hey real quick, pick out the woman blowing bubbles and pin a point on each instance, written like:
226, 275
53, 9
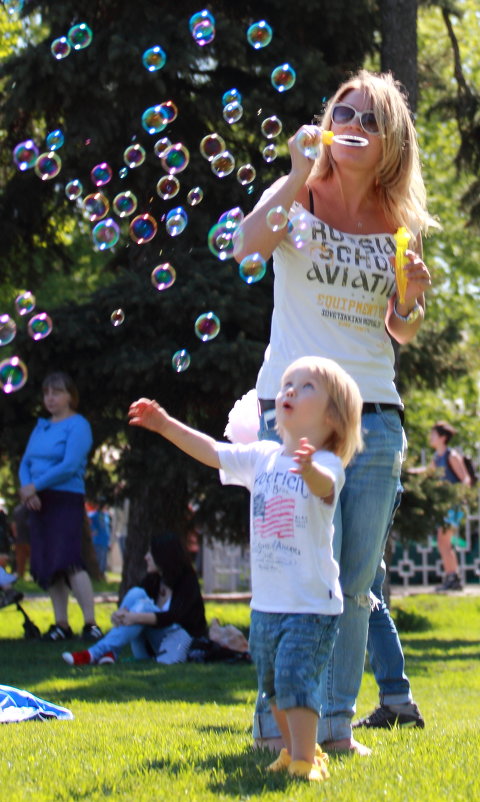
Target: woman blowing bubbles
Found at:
336, 297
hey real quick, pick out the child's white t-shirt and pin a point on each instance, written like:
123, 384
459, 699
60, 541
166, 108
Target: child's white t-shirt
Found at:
291, 530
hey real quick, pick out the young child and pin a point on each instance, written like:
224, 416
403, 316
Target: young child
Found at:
296, 596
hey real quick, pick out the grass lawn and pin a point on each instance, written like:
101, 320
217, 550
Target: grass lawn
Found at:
148, 732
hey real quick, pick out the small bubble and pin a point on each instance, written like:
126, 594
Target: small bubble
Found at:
223, 164
105, 234
154, 58
25, 303
259, 34
207, 326
39, 326
161, 147
277, 218
143, 228
283, 78
8, 329
195, 196
153, 120
168, 186
73, 189
176, 221
220, 240
181, 360
163, 276
271, 127
211, 145
246, 174
55, 139
25, 154
60, 48
269, 153
101, 174
117, 317
124, 204
252, 268
231, 96
13, 374
232, 112
48, 165
79, 36
134, 155
95, 206
176, 158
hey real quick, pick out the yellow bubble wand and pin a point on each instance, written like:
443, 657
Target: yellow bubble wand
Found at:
402, 238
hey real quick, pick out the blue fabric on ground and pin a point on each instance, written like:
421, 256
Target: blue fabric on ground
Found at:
18, 705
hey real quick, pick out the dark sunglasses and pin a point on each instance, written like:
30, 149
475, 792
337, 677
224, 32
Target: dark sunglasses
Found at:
343, 114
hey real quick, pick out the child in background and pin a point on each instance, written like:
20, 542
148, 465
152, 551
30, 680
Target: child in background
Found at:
296, 596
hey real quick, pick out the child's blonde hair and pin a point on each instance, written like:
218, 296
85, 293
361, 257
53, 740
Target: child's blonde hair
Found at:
344, 406
399, 179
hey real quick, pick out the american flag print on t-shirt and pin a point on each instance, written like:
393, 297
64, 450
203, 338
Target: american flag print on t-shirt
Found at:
273, 518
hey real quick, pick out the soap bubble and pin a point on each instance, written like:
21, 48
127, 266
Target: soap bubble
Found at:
246, 174
277, 218
55, 139
211, 145
176, 158
8, 329
232, 112
40, 326
123, 172
283, 78
25, 303
252, 268
161, 147
169, 111
60, 48
231, 96
134, 155
220, 240
117, 317
300, 230
181, 360
73, 189
168, 186
233, 216
269, 153
79, 36
13, 6
13, 374
259, 34
124, 204
25, 154
195, 196
101, 174
153, 120
271, 127
95, 206
223, 164
202, 27
106, 234
200, 16
176, 221
154, 58
163, 276
207, 326
143, 228
48, 165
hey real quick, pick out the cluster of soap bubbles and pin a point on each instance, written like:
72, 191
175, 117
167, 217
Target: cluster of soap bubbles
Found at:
13, 372
224, 236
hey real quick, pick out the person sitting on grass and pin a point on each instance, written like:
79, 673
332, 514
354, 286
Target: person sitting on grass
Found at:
296, 595
160, 617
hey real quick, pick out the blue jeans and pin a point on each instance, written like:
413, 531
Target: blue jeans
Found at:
144, 641
362, 522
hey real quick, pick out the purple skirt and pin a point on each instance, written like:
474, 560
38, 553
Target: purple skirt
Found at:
56, 536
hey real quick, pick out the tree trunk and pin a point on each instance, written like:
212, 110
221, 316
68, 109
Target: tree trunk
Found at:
399, 43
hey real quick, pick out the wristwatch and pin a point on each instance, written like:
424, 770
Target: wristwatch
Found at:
412, 315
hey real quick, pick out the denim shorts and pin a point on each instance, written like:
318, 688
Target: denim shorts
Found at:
290, 651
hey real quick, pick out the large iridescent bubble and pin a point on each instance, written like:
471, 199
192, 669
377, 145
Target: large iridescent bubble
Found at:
212, 145
105, 234
220, 240
48, 165
134, 155
13, 374
124, 204
80, 36
101, 174
223, 164
168, 186
25, 303
163, 276
176, 158
252, 268
40, 326
181, 360
95, 206
55, 139
143, 228
153, 120
154, 58
8, 329
207, 326
25, 154
277, 218
283, 77
259, 34
271, 127
232, 112
176, 221
246, 174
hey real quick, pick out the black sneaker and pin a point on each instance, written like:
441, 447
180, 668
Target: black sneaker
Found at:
58, 633
383, 717
91, 632
451, 582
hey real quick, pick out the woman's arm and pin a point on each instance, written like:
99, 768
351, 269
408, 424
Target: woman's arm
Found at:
418, 280
77, 446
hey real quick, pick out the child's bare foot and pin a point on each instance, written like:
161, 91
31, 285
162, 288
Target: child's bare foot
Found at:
349, 745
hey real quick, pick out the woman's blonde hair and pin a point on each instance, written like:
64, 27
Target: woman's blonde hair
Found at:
399, 180
344, 406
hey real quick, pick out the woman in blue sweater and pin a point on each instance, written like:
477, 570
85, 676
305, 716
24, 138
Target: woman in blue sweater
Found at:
52, 483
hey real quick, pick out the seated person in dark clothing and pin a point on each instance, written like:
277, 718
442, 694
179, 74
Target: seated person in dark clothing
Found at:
160, 617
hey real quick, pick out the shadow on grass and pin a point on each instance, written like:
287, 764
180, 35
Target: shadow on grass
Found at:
31, 664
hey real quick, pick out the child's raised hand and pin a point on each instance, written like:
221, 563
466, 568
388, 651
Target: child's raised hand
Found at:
303, 456
147, 413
